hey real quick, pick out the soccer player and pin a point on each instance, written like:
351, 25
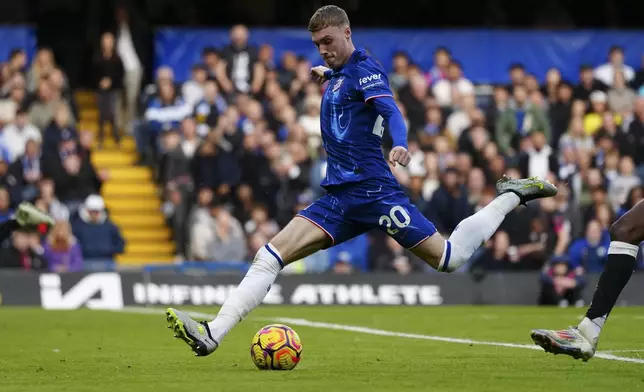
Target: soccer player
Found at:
362, 192
581, 342
26, 216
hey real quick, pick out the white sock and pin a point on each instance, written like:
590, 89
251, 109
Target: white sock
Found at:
472, 232
591, 328
250, 292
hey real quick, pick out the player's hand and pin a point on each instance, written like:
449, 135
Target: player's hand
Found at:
400, 155
317, 73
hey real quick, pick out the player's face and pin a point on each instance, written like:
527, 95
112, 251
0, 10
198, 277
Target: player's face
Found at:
333, 44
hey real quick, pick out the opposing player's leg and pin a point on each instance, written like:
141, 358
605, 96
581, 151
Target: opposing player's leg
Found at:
317, 227
472, 232
581, 341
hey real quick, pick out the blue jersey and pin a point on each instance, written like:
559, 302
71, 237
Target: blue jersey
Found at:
352, 129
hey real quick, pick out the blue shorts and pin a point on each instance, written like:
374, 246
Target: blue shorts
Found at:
349, 210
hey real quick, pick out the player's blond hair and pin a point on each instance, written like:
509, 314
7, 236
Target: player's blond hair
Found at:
329, 15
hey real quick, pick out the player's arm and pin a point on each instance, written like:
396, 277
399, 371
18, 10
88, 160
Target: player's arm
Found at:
386, 106
374, 86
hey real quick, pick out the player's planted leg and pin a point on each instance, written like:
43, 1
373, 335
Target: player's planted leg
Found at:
471, 233
297, 240
581, 341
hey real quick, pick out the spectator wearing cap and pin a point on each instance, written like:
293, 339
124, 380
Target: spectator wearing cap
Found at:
605, 73
561, 284
62, 252
100, 239
193, 89
16, 134
598, 108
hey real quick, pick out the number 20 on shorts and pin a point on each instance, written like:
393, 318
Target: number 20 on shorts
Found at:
394, 217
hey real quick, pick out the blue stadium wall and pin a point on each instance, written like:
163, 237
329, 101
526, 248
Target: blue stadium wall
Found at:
485, 55
12, 37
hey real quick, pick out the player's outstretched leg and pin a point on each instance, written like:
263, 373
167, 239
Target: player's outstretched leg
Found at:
472, 232
297, 240
581, 341
26, 216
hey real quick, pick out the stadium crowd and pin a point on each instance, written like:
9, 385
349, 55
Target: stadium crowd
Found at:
46, 160
237, 151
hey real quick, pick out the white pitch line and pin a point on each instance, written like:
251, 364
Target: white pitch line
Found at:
382, 332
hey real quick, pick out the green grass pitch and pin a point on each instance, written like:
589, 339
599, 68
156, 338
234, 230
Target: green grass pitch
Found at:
84, 350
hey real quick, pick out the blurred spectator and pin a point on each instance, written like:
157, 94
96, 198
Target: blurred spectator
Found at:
220, 238
6, 211
16, 134
539, 158
71, 171
126, 47
193, 89
606, 73
209, 108
440, 70
60, 128
27, 171
590, 252
62, 252
561, 284
100, 239
620, 96
519, 119
449, 89
496, 254
40, 68
22, 253
163, 113
48, 202
239, 71
42, 111
623, 182
400, 75
108, 71
517, 75
587, 83
449, 204
389, 256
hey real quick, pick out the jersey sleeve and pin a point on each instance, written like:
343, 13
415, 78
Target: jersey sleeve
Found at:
372, 81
